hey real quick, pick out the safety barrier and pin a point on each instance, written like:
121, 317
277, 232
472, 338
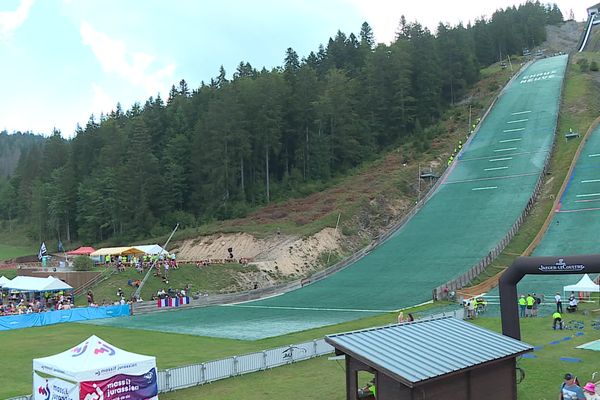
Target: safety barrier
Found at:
199, 374
10, 322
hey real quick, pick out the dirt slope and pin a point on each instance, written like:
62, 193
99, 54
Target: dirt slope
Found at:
284, 254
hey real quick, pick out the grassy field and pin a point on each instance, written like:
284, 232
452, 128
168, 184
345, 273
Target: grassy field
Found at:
321, 378
209, 279
315, 379
9, 251
171, 350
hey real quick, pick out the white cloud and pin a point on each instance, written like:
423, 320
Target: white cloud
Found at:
136, 67
11, 20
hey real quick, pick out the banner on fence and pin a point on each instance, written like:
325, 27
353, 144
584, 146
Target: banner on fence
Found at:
54, 389
9, 322
173, 302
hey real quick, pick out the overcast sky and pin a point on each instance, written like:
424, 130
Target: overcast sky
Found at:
63, 60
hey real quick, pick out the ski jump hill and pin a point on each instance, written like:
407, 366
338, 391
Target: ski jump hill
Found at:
473, 208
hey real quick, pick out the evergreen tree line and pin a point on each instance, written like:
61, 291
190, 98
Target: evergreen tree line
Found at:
11, 148
230, 145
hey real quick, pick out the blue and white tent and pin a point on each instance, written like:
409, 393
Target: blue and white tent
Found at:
33, 284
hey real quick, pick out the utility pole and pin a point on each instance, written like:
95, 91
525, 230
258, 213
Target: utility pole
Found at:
470, 122
419, 184
139, 289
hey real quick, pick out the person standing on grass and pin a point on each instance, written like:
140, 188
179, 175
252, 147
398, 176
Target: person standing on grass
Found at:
570, 390
401, 317
530, 302
536, 302
558, 301
522, 305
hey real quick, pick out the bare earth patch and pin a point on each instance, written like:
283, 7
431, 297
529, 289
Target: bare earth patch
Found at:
284, 254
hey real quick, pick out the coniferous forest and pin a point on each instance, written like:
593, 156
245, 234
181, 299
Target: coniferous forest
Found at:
257, 136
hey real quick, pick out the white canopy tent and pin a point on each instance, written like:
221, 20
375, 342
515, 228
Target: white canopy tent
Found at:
152, 249
99, 368
3, 280
585, 284
33, 284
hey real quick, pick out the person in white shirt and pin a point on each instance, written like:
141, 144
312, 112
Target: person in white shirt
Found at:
558, 301
572, 304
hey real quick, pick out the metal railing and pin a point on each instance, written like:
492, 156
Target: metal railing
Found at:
101, 277
199, 374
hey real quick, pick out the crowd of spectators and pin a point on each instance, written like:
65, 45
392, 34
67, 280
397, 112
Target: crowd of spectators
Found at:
172, 293
141, 263
19, 303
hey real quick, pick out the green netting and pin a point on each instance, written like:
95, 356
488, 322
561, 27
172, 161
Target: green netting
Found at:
575, 227
466, 218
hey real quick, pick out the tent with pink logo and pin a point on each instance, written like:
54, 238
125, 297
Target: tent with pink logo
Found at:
95, 370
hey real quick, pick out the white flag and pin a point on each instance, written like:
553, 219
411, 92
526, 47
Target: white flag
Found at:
43, 251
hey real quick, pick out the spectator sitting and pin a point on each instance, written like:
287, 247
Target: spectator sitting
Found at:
572, 307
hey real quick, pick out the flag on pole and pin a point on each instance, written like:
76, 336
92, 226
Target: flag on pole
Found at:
43, 251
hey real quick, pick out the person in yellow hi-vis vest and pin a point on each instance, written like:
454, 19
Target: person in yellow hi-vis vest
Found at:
557, 321
530, 301
369, 391
522, 306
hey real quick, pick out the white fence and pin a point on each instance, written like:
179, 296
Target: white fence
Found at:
199, 374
